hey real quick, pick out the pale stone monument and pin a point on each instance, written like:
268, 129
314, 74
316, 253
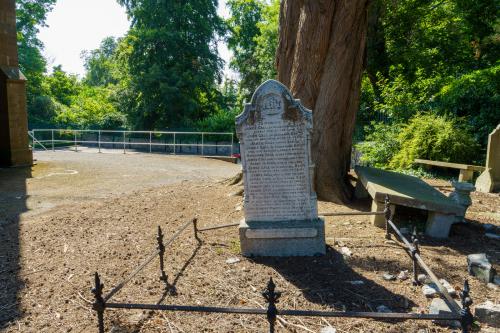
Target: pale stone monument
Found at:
461, 195
280, 204
489, 180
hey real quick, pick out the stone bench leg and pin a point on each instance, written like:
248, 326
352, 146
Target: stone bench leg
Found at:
465, 175
360, 191
438, 224
379, 220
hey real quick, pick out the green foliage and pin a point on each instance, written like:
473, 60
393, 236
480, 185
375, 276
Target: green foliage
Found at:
30, 15
475, 96
380, 145
267, 40
220, 121
62, 86
91, 108
100, 63
437, 138
173, 61
425, 136
253, 38
245, 15
438, 56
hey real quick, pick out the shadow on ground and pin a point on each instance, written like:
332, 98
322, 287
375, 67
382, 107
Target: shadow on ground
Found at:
13, 196
329, 280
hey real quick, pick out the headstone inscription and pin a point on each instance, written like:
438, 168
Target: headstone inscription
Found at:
489, 180
280, 204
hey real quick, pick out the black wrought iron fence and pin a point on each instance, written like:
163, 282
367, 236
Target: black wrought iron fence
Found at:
271, 295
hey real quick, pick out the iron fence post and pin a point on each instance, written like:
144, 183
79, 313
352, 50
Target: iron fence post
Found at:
76, 147
161, 252
174, 145
414, 251
99, 141
271, 296
388, 216
99, 304
124, 142
52, 132
466, 318
195, 229
150, 140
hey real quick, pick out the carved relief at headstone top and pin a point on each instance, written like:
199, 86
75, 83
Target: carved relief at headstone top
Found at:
489, 180
280, 202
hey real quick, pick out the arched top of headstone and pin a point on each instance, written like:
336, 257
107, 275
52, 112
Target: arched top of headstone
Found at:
272, 99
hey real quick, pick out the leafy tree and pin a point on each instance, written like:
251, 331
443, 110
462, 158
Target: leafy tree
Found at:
62, 86
173, 60
267, 40
244, 29
253, 38
30, 15
91, 108
100, 63
476, 97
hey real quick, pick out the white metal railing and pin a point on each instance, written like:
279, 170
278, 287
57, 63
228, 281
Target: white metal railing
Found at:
56, 138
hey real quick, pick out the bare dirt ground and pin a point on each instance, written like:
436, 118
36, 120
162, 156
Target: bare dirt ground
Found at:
49, 256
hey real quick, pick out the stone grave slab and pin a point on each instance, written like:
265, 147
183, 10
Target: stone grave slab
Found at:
409, 191
280, 204
489, 180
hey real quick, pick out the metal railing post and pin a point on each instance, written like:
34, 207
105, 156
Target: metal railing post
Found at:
99, 141
202, 135
124, 143
175, 147
52, 140
150, 140
76, 147
232, 143
99, 305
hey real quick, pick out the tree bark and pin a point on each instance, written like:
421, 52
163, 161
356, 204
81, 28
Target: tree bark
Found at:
320, 58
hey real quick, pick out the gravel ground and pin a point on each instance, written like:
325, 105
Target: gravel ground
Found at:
49, 257
68, 178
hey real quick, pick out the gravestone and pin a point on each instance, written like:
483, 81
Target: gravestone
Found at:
280, 204
489, 180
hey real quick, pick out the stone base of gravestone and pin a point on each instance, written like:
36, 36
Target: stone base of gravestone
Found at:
282, 239
486, 184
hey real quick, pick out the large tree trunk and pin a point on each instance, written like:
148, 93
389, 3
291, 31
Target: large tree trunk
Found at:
320, 58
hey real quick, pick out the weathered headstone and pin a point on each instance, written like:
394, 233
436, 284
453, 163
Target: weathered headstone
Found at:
280, 204
489, 180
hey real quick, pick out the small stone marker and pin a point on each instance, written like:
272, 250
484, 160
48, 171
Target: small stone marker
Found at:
489, 180
488, 313
280, 204
439, 307
479, 266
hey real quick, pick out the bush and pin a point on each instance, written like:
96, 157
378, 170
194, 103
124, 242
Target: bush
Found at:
220, 121
425, 136
380, 144
433, 137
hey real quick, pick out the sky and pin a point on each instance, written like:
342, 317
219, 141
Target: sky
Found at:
77, 25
